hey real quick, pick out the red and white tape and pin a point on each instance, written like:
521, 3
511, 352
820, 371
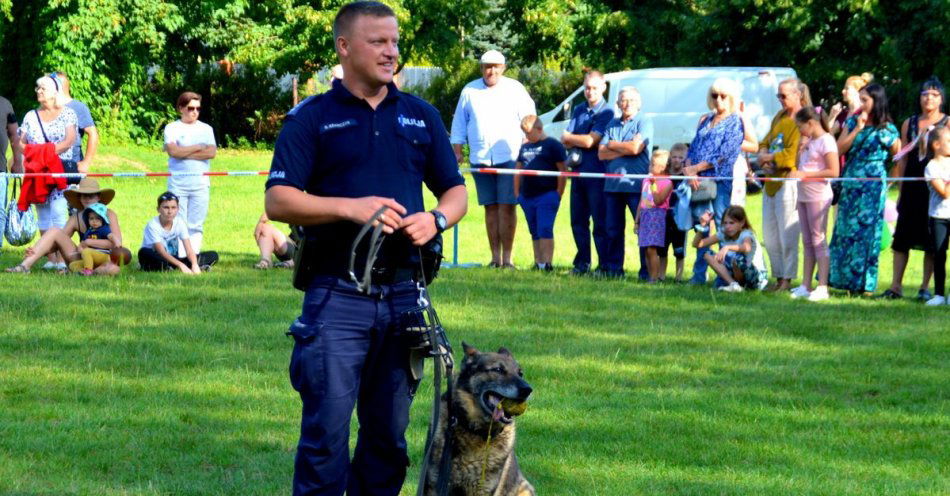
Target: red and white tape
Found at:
472, 170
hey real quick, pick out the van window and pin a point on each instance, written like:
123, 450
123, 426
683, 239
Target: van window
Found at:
671, 95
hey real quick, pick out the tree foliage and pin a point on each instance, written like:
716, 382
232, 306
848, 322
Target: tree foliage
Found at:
129, 58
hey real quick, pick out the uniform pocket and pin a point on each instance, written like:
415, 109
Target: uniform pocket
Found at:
414, 143
307, 359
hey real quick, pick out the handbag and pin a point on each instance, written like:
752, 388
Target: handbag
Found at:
20, 226
706, 191
69, 166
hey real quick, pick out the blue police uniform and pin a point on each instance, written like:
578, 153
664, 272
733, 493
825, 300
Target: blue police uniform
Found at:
587, 195
623, 194
349, 346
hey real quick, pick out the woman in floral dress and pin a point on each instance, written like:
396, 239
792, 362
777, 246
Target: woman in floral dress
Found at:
869, 139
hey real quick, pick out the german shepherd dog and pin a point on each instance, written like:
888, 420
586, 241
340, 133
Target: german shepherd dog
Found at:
490, 392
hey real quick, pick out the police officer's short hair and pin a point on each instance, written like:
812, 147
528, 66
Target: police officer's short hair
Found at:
349, 12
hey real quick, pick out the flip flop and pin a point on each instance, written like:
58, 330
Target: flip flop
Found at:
262, 265
19, 269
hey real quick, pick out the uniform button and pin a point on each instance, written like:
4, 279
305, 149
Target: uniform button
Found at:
415, 142
377, 133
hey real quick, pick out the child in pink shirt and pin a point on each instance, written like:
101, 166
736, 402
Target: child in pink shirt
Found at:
651, 216
818, 159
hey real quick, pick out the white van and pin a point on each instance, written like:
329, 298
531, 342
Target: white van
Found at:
675, 97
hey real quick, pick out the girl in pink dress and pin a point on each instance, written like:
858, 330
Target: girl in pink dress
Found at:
651, 216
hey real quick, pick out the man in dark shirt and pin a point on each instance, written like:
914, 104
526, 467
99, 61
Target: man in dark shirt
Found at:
584, 132
340, 157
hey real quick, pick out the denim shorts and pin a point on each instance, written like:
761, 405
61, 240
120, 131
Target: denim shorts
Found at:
540, 212
495, 189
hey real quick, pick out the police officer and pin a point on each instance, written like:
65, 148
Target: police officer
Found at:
340, 157
588, 125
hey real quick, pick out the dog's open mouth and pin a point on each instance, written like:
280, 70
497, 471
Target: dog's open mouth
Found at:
503, 410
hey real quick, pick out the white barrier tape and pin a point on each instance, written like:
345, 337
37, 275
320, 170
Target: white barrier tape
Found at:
606, 175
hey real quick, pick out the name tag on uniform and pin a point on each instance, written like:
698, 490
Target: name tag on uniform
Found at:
333, 126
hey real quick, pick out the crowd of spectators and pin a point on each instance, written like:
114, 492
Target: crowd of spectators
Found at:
496, 118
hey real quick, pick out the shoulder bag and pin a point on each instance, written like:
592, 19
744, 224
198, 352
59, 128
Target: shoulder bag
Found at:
69, 166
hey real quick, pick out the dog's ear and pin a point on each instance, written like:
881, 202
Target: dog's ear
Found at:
504, 351
470, 351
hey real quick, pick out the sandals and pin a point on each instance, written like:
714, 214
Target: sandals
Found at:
19, 269
263, 264
890, 295
289, 264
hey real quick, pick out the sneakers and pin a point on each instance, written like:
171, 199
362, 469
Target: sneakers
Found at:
819, 294
86, 272
802, 292
731, 288
936, 300
54, 266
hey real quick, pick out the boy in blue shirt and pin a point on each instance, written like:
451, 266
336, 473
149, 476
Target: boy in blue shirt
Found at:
540, 196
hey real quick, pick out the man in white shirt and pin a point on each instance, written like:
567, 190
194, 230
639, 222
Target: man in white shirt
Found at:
488, 118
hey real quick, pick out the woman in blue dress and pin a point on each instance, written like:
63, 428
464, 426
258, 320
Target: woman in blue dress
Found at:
870, 140
713, 153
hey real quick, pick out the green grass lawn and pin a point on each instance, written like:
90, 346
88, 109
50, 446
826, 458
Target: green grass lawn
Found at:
153, 384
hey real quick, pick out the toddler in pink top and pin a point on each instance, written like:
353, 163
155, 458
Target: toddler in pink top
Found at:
651, 216
818, 159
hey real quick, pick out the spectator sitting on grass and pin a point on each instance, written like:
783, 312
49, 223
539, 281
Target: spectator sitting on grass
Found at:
270, 241
57, 240
160, 242
739, 261
94, 253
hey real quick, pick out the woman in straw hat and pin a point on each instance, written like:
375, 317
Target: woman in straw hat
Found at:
56, 240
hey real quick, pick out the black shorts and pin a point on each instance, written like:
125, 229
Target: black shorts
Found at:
674, 237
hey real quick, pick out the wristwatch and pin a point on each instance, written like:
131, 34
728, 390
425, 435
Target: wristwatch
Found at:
441, 223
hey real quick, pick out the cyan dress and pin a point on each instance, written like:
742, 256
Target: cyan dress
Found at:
856, 243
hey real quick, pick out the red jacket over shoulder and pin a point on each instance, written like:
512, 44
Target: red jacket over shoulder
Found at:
40, 158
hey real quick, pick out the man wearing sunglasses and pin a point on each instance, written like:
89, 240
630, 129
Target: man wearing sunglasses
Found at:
340, 157
190, 146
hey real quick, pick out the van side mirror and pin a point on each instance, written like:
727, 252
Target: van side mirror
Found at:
567, 111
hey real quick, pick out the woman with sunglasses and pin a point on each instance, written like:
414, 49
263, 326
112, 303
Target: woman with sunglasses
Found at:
778, 153
190, 146
713, 153
52, 122
913, 232
870, 140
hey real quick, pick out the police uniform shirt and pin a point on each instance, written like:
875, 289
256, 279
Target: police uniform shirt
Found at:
618, 130
586, 120
337, 145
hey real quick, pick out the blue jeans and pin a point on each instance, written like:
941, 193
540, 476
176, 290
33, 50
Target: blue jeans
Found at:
587, 202
718, 206
616, 205
349, 346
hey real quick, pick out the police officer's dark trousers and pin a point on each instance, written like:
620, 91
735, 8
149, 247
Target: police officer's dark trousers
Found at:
587, 202
349, 350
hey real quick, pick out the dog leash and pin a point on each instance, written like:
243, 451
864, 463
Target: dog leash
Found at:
443, 365
375, 242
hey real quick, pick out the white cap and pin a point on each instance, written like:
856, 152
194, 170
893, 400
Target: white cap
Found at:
493, 57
